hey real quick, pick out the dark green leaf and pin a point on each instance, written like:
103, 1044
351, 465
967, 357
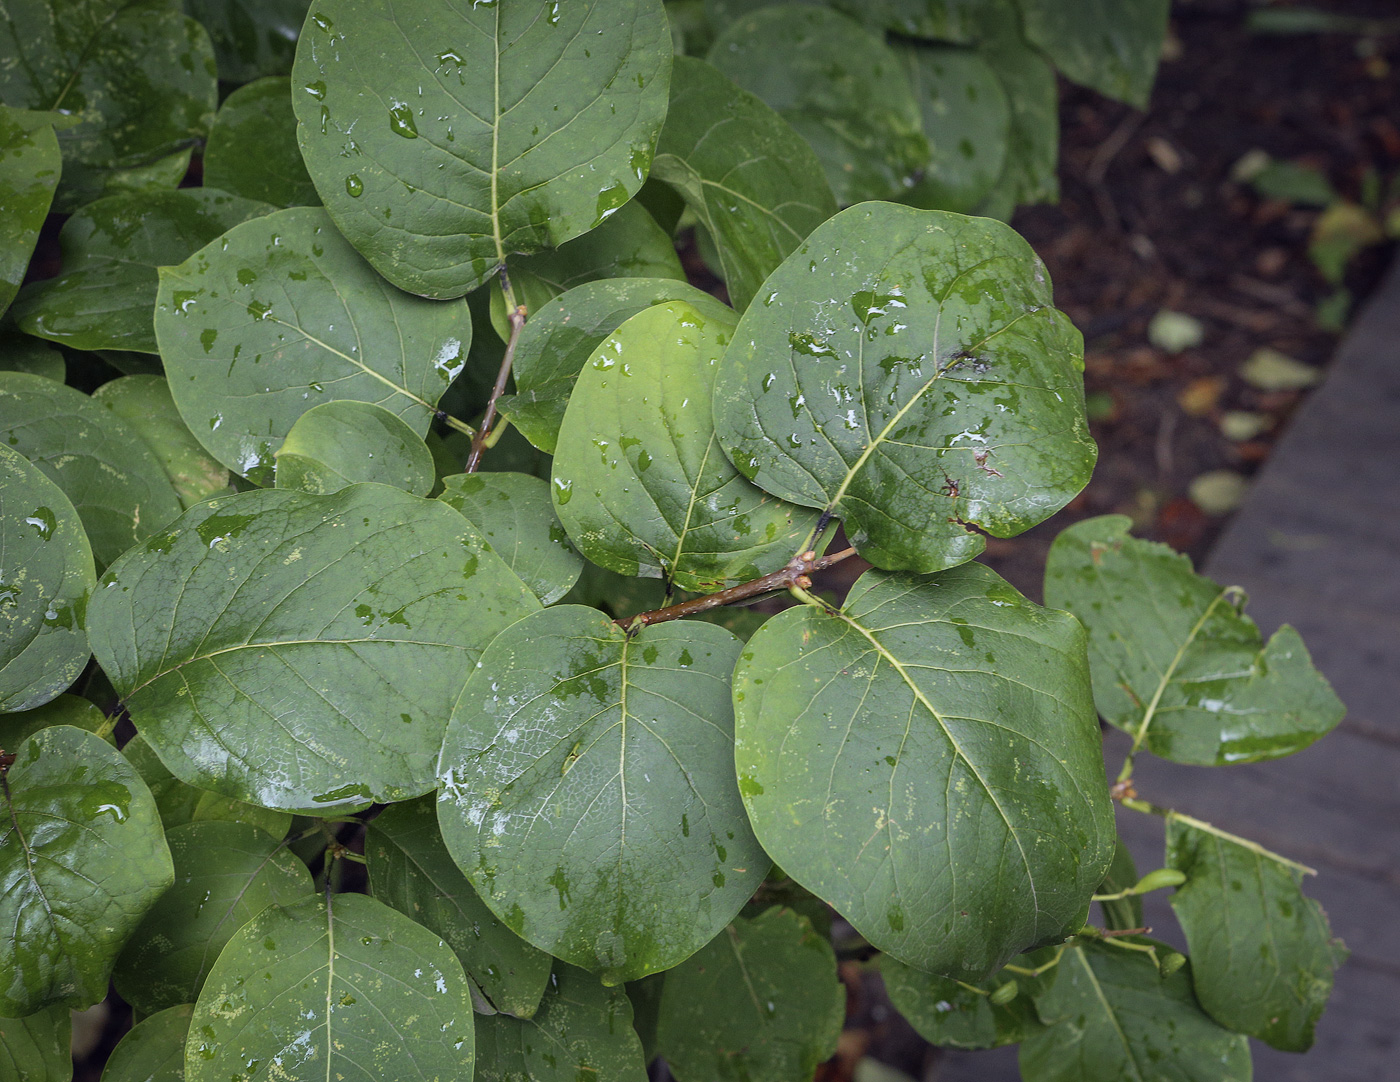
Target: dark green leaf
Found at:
588, 783
44, 586
21, 353
303, 652
1126, 912
344, 442
514, 126
119, 487
82, 857
282, 314
252, 149
927, 761
16, 728
513, 511
559, 338
106, 288
1108, 45
36, 1048
939, 20
839, 85
753, 182
153, 1050
1263, 953
640, 482
1174, 657
251, 37
1033, 149
333, 987
760, 1003
618, 595
907, 371
225, 875
947, 1013
29, 170
410, 869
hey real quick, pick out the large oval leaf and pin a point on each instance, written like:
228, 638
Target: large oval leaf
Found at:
344, 442
907, 372
29, 169
640, 482
1033, 150
1110, 46
303, 652
444, 138
339, 986
588, 789
82, 857
38, 1047
252, 149
282, 314
153, 1050
927, 760
44, 586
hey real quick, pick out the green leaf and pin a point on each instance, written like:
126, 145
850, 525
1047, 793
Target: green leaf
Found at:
251, 37
145, 404
581, 1031
951, 1015
1173, 655
750, 179
1033, 149
1106, 45
967, 118
118, 486
16, 728
640, 482
153, 1050
839, 85
37, 1048
588, 783
1121, 913
618, 595
138, 74
280, 315
83, 857
106, 288
907, 372
252, 149
761, 1003
514, 513
927, 760
29, 170
1112, 1016
344, 442
1263, 953
225, 875
411, 870
20, 353
303, 652
44, 586
339, 986
938, 20
560, 336
514, 126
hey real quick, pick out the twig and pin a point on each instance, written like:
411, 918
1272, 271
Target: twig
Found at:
1169, 814
517, 322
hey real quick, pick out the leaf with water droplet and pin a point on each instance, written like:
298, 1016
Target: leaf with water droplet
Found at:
343, 442
252, 149
153, 1050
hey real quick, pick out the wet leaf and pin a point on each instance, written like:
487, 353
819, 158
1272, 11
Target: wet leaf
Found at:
153, 1050
750, 179
950, 1015
302, 652
905, 369
344, 442
927, 761
280, 315
514, 513
589, 794
37, 1048
252, 149
1108, 46
47, 577
29, 170
225, 875
761, 1002
17, 727
106, 287
1173, 652
82, 857
514, 126
640, 482
251, 37
1262, 953
335, 986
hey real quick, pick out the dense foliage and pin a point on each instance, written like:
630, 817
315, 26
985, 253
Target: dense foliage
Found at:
393, 499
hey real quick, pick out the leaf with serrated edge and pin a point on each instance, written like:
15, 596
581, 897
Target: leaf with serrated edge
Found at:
37, 1048
30, 165
153, 1050
303, 652
640, 482
342, 443
514, 126
1172, 651
927, 760
252, 148
588, 789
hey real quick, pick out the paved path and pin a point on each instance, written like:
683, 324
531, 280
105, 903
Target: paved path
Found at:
1317, 545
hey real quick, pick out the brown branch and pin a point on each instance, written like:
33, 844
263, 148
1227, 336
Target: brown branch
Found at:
517, 323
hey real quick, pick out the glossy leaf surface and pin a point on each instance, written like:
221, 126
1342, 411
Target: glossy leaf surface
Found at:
906, 370
640, 482
252, 149
153, 1050
589, 794
251, 38
355, 991
281, 315
82, 857
302, 652
344, 442
927, 761
478, 131
951, 1015
1170, 649
750, 179
1109, 46
36, 1048
30, 165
